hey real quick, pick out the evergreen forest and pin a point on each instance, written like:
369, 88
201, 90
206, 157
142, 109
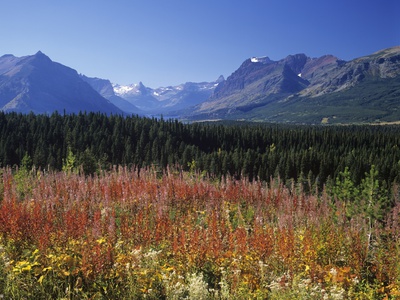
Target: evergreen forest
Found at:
313, 155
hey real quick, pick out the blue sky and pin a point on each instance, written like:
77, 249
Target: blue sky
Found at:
168, 42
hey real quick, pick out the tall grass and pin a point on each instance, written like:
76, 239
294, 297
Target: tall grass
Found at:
133, 234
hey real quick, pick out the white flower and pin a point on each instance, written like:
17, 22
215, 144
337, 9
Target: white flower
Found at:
198, 289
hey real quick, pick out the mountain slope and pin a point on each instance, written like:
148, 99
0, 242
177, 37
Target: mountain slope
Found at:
303, 89
105, 89
258, 81
37, 84
255, 80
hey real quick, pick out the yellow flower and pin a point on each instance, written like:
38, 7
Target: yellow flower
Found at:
40, 280
23, 266
27, 268
101, 241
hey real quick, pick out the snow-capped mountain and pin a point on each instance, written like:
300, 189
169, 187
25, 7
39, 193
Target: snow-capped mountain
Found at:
166, 99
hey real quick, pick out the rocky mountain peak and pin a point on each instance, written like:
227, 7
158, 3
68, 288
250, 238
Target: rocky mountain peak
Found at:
40, 56
36, 83
296, 62
220, 79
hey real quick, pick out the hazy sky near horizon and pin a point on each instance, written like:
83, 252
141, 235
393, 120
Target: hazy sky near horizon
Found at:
168, 42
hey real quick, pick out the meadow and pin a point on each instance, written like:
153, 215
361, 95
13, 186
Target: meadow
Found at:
131, 233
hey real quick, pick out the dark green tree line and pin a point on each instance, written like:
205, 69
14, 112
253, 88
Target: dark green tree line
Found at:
314, 154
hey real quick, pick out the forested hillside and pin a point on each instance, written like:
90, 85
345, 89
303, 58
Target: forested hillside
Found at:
312, 154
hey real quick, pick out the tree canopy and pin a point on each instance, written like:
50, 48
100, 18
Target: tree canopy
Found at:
313, 154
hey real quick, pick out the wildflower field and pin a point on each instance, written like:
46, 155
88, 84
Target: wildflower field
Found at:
139, 234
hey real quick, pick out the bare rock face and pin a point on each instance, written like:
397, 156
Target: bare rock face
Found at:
380, 65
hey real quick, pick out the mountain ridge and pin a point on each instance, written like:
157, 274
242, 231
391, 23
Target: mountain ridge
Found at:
273, 90
37, 84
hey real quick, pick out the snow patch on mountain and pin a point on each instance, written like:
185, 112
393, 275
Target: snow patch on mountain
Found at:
121, 90
261, 59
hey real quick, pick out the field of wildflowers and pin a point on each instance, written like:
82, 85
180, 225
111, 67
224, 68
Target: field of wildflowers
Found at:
138, 234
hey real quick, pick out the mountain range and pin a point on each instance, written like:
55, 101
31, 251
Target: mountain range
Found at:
297, 89
301, 89
167, 99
